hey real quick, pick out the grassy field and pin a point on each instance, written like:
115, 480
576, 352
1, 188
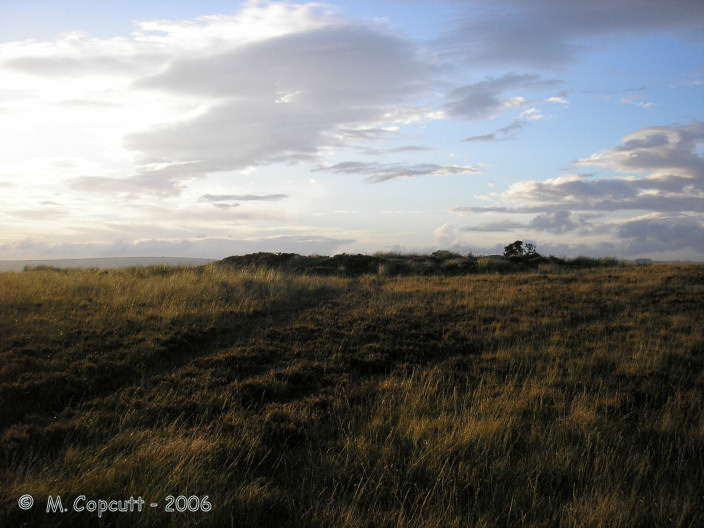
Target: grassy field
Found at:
550, 396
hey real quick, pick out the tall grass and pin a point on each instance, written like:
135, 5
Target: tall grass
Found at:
526, 399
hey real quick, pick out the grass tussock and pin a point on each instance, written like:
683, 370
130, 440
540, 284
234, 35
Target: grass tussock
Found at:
554, 396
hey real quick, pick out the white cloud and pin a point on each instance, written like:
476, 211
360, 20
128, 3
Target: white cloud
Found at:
636, 100
675, 179
660, 150
334, 78
180, 99
445, 235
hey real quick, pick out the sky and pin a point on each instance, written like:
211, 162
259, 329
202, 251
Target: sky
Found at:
215, 128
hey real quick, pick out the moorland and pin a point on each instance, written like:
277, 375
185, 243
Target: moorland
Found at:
356, 391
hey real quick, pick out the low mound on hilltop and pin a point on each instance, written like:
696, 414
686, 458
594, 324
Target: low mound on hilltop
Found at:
393, 264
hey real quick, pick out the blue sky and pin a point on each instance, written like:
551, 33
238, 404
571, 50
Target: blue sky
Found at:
212, 128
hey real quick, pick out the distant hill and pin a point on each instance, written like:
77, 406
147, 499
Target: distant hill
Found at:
117, 262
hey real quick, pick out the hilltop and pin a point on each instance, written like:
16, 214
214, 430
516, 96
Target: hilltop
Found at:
441, 262
550, 396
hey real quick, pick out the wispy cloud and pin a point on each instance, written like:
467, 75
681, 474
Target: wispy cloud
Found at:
485, 99
396, 150
383, 172
242, 197
502, 134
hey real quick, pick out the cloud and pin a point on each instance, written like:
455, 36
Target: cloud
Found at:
636, 100
482, 99
502, 134
242, 197
498, 226
281, 99
396, 150
158, 179
671, 192
659, 232
216, 247
226, 201
557, 222
383, 172
662, 150
445, 235
143, 184
271, 83
674, 183
551, 33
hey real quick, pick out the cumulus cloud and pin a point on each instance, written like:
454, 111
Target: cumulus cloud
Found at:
559, 222
383, 172
671, 192
659, 232
674, 183
661, 150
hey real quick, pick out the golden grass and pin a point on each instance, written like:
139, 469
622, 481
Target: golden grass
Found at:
553, 397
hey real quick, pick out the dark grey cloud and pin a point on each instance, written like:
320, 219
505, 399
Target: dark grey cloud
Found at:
551, 33
378, 172
662, 233
557, 222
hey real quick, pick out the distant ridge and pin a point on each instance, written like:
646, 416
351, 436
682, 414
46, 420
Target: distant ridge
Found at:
109, 262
